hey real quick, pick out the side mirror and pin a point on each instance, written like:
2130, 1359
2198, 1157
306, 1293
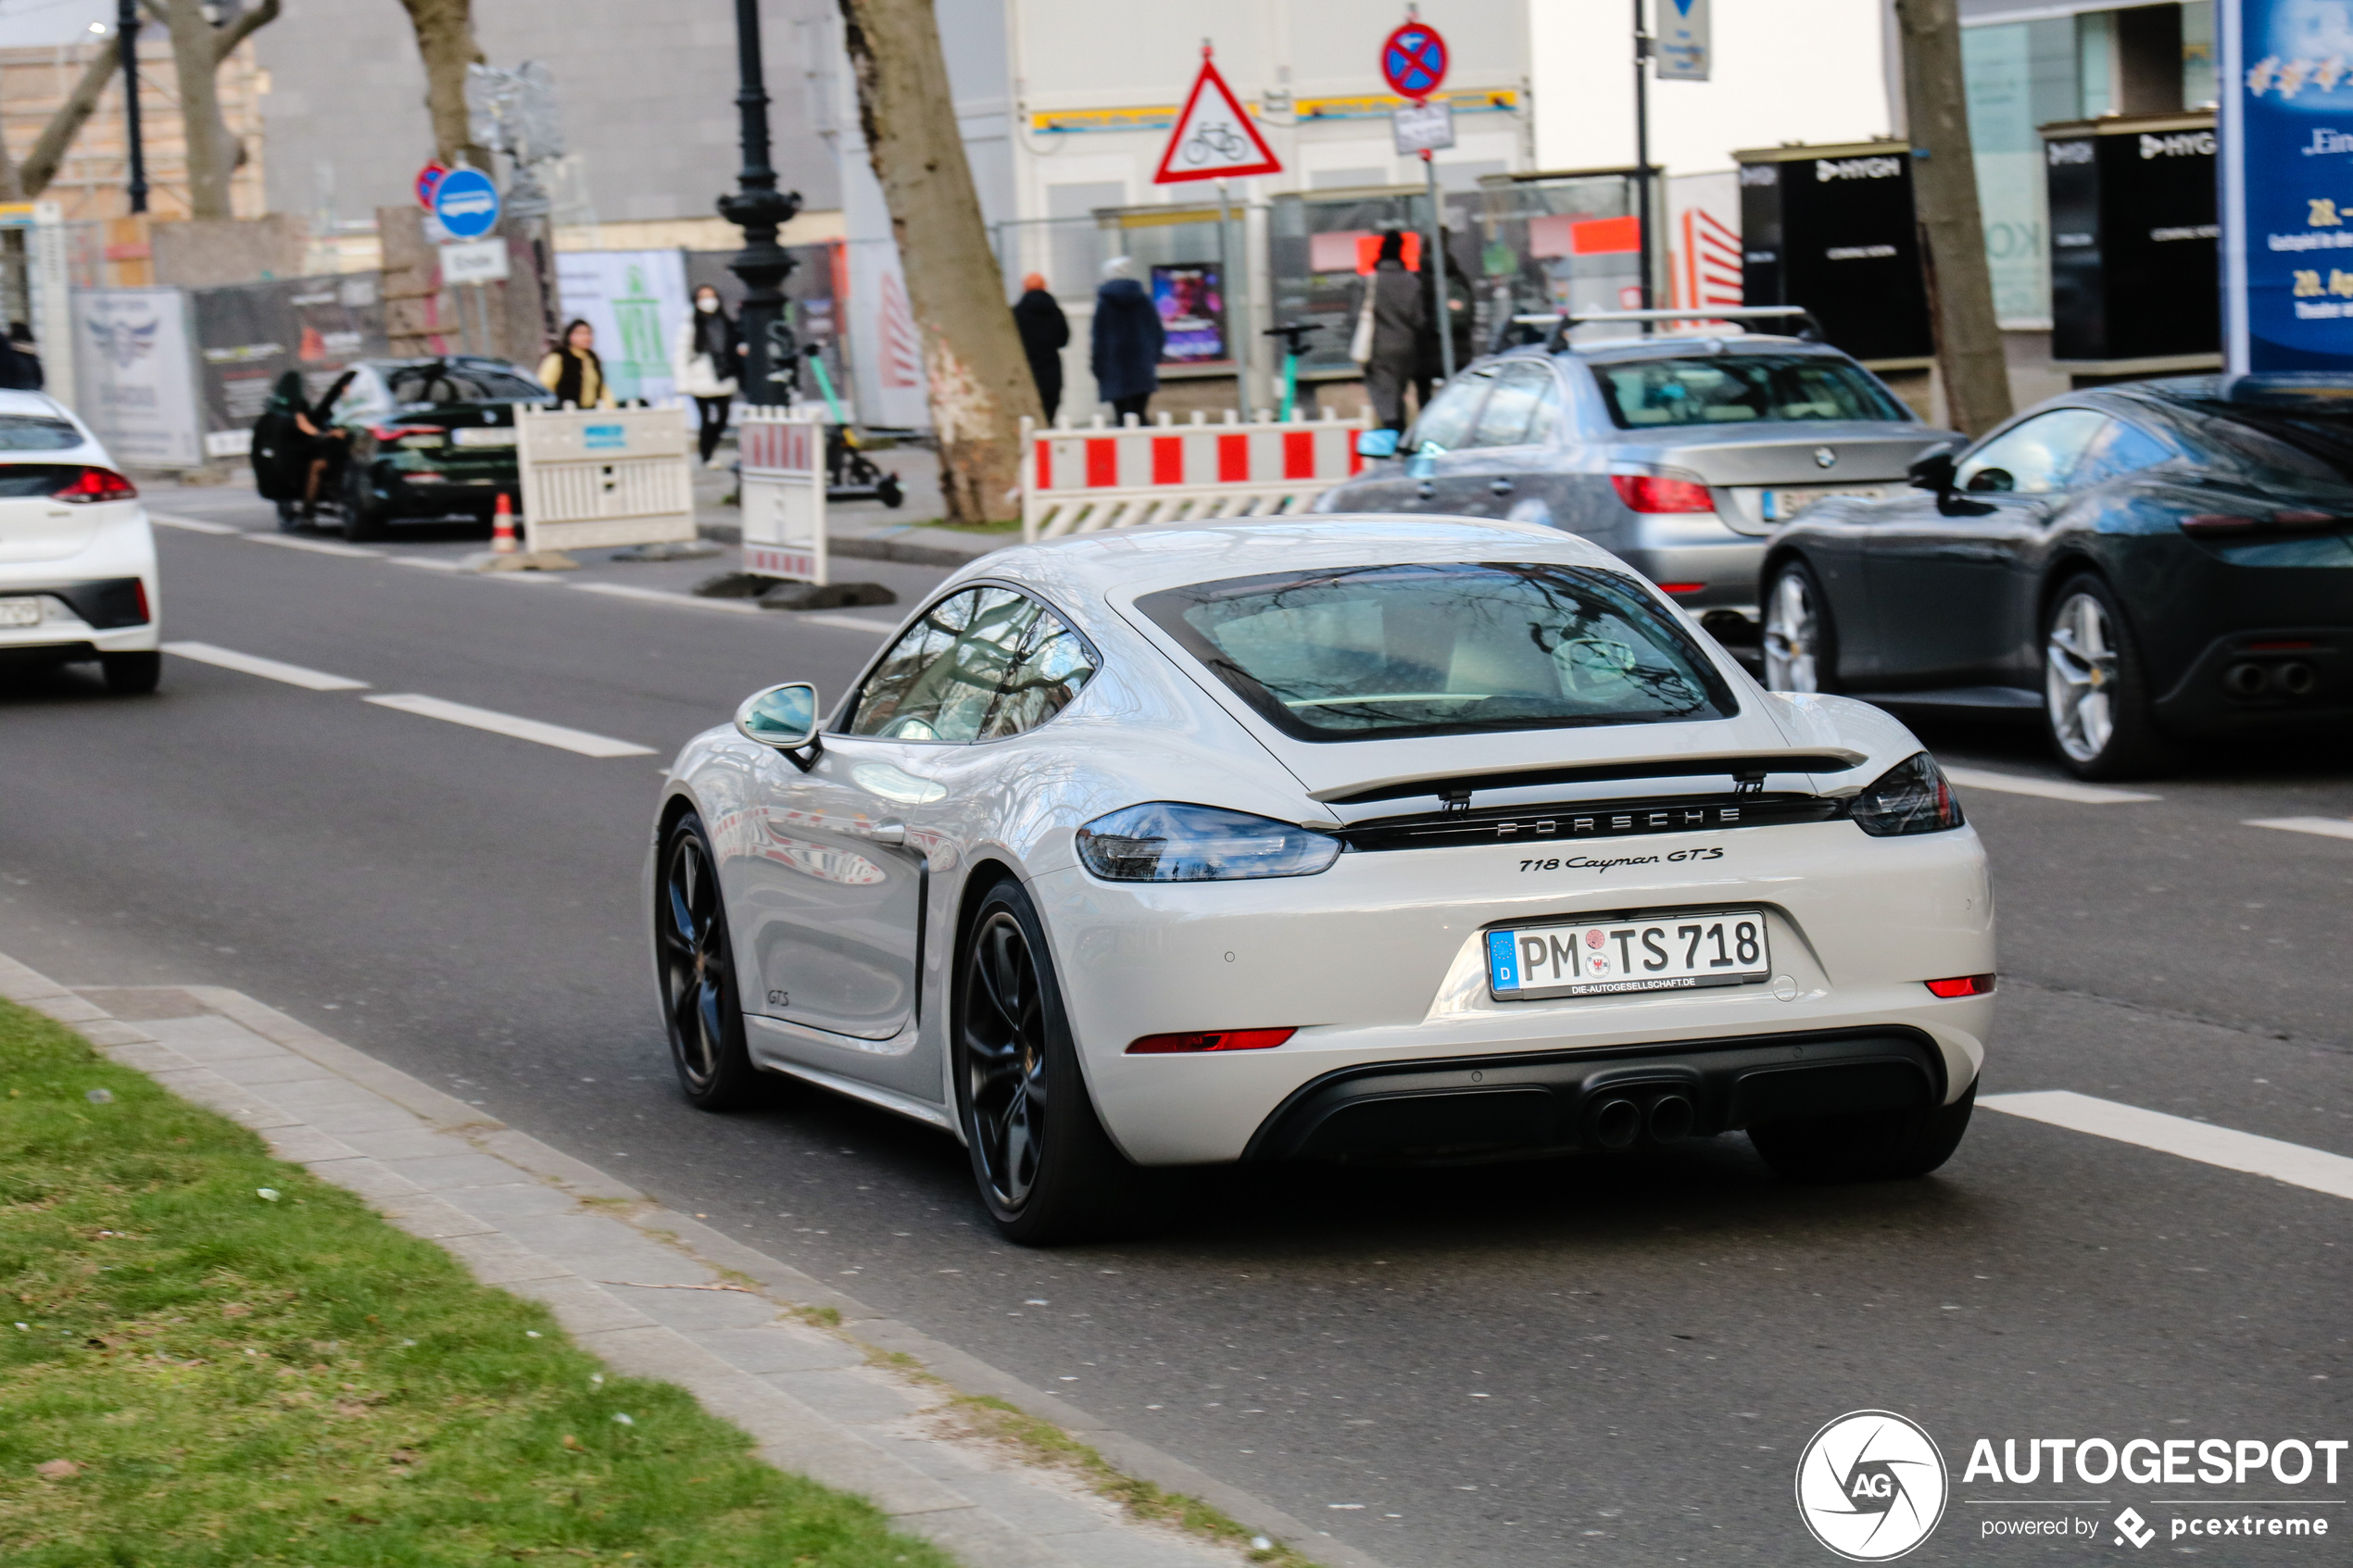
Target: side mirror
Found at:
1377, 444
1932, 473
783, 717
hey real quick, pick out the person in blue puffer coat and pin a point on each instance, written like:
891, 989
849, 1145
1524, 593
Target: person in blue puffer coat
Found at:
1126, 342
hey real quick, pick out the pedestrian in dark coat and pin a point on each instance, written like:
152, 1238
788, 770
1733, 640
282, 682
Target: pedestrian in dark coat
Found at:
1126, 342
1045, 330
1394, 297
1431, 369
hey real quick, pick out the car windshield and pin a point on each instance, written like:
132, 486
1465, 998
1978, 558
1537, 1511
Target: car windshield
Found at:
32, 433
1380, 652
1742, 389
423, 385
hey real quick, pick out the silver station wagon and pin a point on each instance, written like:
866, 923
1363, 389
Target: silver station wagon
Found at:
1678, 453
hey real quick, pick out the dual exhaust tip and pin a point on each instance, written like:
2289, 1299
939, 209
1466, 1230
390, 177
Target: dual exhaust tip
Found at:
2293, 678
1616, 1122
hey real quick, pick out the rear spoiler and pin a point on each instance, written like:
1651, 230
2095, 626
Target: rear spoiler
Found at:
1519, 330
1746, 772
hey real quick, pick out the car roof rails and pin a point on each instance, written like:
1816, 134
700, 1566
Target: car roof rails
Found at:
1561, 322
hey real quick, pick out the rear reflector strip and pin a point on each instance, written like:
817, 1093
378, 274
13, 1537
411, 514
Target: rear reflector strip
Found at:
1962, 985
1220, 1040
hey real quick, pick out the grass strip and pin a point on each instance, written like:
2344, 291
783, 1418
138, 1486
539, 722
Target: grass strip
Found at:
208, 1357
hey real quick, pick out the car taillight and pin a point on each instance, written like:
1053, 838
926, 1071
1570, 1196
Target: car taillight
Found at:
1961, 986
95, 484
1682, 587
1210, 1040
389, 433
1650, 493
139, 597
2209, 525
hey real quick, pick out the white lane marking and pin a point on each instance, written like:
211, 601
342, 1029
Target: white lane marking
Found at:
523, 579
580, 741
431, 563
2327, 827
848, 623
315, 547
2049, 789
2292, 1163
663, 597
268, 669
192, 524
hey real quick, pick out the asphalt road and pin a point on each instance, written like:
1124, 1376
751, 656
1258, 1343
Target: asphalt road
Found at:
1606, 1361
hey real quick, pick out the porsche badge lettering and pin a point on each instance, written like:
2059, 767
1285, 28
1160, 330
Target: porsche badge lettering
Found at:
1586, 863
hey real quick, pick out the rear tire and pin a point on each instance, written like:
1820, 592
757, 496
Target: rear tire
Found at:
363, 521
2096, 696
1876, 1145
701, 1008
131, 674
888, 491
1047, 1170
290, 517
1800, 641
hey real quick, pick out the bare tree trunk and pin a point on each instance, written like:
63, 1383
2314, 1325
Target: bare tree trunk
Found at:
197, 49
979, 381
445, 38
41, 165
1960, 285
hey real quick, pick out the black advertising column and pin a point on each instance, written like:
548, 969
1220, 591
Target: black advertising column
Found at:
2134, 253
1831, 229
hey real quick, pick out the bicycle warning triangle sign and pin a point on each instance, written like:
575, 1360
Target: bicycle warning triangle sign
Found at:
1214, 138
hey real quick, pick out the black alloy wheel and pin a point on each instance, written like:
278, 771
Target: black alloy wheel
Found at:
1044, 1167
1871, 1146
700, 1003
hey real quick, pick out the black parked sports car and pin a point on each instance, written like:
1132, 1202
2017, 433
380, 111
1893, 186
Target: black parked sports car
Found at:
2142, 564
431, 438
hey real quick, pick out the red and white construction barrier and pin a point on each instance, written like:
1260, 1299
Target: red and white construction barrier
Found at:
783, 492
1083, 479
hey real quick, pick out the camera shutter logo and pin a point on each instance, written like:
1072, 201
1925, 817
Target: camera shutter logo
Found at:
1871, 1486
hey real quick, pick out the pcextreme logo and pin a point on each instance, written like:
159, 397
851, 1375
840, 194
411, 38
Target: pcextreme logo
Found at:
1871, 1486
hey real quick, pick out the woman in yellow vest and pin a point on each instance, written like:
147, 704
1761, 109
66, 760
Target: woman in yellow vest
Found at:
574, 373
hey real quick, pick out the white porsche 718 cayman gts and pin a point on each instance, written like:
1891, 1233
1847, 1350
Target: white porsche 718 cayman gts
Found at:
1352, 839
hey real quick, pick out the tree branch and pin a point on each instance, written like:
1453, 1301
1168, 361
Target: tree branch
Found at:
40, 165
245, 27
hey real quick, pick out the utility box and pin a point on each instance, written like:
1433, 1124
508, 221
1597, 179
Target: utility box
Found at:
1831, 229
2135, 251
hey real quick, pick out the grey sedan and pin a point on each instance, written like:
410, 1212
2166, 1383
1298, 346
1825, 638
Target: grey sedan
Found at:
1678, 454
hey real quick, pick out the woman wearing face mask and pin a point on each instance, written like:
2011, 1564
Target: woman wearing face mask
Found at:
573, 372
705, 353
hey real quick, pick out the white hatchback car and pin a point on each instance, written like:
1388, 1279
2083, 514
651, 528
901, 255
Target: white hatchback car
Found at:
76, 555
1352, 839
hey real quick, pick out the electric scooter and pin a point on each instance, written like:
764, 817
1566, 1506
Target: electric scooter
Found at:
1294, 336
849, 475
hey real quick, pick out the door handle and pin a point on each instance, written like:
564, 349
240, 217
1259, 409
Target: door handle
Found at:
1429, 492
1499, 487
889, 830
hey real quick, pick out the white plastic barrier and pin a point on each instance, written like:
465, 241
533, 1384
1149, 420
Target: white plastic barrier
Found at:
1078, 480
595, 477
784, 492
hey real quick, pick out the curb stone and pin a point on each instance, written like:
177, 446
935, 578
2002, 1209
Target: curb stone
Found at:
658, 1294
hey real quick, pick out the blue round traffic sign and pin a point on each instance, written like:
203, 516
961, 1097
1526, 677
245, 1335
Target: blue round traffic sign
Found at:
467, 204
1413, 61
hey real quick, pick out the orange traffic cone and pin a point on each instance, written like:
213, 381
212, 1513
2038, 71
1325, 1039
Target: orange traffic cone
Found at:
502, 528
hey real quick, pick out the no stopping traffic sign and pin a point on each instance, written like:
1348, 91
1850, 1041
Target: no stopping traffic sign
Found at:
1413, 60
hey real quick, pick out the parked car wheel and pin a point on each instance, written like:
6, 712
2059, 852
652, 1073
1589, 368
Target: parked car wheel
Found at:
290, 518
1874, 1145
2095, 700
1800, 644
698, 965
1046, 1167
362, 519
131, 674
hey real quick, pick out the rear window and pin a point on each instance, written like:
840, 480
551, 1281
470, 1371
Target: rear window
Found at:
2312, 444
1392, 652
1742, 389
464, 383
29, 433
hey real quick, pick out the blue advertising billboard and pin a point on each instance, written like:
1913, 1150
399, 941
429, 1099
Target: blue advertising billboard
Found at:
2286, 186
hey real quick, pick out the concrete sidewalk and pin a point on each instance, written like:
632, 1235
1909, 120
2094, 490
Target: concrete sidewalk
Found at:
826, 1386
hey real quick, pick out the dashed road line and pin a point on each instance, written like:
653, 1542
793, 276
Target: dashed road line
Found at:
192, 524
579, 741
2233, 1150
665, 597
2049, 789
268, 669
2326, 827
431, 563
315, 547
848, 623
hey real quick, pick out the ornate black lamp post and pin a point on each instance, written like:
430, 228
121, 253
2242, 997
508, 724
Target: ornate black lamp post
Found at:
760, 210
126, 31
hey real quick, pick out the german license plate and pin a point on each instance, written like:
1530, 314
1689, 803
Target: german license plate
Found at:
1782, 504
1677, 952
20, 612
483, 436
